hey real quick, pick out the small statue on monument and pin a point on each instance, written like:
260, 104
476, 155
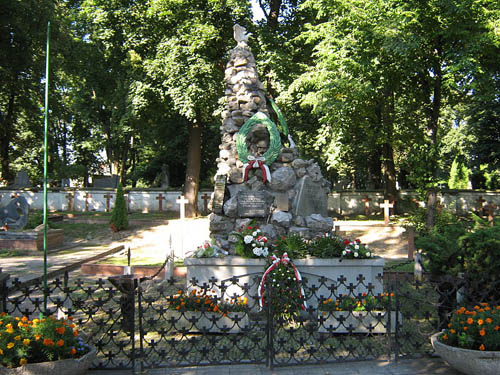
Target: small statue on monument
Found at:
240, 35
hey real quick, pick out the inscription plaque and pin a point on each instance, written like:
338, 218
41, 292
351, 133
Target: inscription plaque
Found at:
252, 204
281, 202
312, 198
218, 200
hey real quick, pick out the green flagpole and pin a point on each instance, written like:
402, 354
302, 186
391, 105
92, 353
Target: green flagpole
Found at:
45, 289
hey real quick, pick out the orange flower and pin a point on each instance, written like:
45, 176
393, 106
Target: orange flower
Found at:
452, 331
445, 337
177, 307
48, 342
37, 337
22, 361
465, 328
480, 322
60, 342
476, 307
489, 320
73, 351
497, 328
60, 330
24, 319
482, 332
482, 347
470, 321
71, 325
75, 332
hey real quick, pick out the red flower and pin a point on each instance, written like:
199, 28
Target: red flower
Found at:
358, 241
249, 228
346, 242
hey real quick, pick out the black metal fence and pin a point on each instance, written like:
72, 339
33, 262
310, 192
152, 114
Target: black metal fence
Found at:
145, 323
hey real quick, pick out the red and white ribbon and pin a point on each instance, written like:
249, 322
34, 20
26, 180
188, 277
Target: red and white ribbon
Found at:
256, 163
276, 261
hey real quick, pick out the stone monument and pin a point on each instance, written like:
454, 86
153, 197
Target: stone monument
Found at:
15, 213
258, 177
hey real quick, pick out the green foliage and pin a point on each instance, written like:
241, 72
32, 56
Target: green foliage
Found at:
459, 174
363, 302
293, 244
328, 246
119, 216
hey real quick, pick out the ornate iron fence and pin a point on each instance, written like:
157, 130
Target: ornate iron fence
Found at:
151, 323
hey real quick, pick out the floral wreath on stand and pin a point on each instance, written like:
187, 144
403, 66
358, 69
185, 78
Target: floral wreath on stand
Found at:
251, 161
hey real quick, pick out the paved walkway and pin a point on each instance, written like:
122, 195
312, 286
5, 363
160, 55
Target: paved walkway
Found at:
427, 366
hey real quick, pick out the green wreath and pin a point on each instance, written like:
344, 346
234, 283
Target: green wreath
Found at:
274, 138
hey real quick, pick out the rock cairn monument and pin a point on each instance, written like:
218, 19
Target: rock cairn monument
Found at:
258, 177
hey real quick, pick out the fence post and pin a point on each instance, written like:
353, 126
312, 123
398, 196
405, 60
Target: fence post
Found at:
270, 324
4, 277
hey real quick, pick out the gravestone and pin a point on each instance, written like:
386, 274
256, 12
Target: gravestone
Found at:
220, 188
106, 181
252, 204
311, 199
15, 213
22, 180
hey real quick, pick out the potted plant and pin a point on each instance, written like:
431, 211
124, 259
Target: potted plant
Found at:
42, 346
364, 314
201, 311
471, 342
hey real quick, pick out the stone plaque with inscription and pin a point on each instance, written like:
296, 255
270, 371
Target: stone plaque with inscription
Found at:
252, 204
281, 202
311, 198
218, 200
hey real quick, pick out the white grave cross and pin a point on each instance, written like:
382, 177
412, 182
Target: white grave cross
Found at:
182, 201
386, 207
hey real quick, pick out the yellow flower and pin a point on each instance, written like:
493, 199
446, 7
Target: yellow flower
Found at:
17, 338
10, 345
1, 352
37, 337
22, 361
26, 342
20, 324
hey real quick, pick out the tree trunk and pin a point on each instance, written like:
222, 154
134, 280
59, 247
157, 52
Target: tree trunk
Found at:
192, 181
7, 121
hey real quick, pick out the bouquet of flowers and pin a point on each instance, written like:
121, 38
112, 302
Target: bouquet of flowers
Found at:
209, 250
25, 341
252, 243
356, 250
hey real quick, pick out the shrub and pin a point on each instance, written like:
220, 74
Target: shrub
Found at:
119, 216
294, 245
327, 246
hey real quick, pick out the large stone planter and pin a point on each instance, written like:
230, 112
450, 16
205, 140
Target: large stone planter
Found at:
214, 270
359, 321
471, 362
196, 321
77, 366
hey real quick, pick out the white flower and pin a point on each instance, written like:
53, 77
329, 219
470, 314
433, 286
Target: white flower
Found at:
254, 234
264, 252
368, 254
247, 239
257, 251
356, 247
258, 231
366, 246
356, 255
344, 252
254, 244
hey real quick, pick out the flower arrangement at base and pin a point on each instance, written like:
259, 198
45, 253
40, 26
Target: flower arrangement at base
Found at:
356, 250
365, 302
202, 300
252, 243
475, 329
24, 341
208, 250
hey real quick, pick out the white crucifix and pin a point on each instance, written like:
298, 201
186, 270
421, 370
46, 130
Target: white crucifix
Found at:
182, 202
386, 207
